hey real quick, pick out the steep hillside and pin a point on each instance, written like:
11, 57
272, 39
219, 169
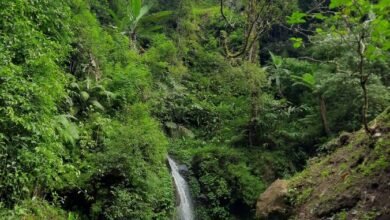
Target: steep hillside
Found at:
353, 182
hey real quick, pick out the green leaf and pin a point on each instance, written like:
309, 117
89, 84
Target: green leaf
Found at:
309, 79
319, 31
383, 5
142, 13
97, 105
276, 60
158, 16
296, 18
306, 80
137, 12
319, 16
339, 3
84, 95
136, 7
297, 42
67, 130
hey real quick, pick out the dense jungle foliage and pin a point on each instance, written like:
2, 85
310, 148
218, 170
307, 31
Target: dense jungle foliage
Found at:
95, 93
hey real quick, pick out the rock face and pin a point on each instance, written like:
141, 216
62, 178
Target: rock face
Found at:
272, 203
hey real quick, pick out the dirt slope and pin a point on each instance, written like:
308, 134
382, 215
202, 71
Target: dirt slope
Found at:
351, 182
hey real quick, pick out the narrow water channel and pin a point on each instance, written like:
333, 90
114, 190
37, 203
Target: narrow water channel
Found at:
185, 208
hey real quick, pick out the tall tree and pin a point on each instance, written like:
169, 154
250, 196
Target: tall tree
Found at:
363, 28
259, 17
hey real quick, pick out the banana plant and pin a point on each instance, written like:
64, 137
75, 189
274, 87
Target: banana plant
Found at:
136, 11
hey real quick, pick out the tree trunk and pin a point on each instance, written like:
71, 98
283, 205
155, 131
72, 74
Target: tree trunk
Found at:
323, 114
253, 133
249, 52
363, 84
251, 56
133, 39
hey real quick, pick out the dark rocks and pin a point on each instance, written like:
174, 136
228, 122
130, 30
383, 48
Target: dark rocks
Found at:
344, 139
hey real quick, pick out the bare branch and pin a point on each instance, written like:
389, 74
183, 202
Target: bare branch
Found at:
338, 69
223, 14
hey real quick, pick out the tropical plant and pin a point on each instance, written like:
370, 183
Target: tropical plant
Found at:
309, 81
128, 14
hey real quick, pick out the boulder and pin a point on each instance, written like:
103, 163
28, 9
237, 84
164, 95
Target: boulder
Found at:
183, 169
272, 202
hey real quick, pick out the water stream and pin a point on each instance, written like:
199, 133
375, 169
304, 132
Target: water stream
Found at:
185, 209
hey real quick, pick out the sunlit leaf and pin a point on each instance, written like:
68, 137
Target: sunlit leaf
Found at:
297, 42
339, 3
276, 60
296, 18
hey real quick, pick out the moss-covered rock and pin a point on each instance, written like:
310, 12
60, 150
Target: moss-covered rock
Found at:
272, 201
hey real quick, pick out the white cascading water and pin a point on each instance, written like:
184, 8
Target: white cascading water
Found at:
185, 208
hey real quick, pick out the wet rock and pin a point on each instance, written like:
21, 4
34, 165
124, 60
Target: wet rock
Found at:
183, 168
272, 203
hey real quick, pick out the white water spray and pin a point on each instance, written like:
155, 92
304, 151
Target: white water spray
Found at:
185, 208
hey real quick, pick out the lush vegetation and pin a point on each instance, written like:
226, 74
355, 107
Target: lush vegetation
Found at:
95, 93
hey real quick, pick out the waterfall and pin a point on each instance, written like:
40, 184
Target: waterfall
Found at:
185, 208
